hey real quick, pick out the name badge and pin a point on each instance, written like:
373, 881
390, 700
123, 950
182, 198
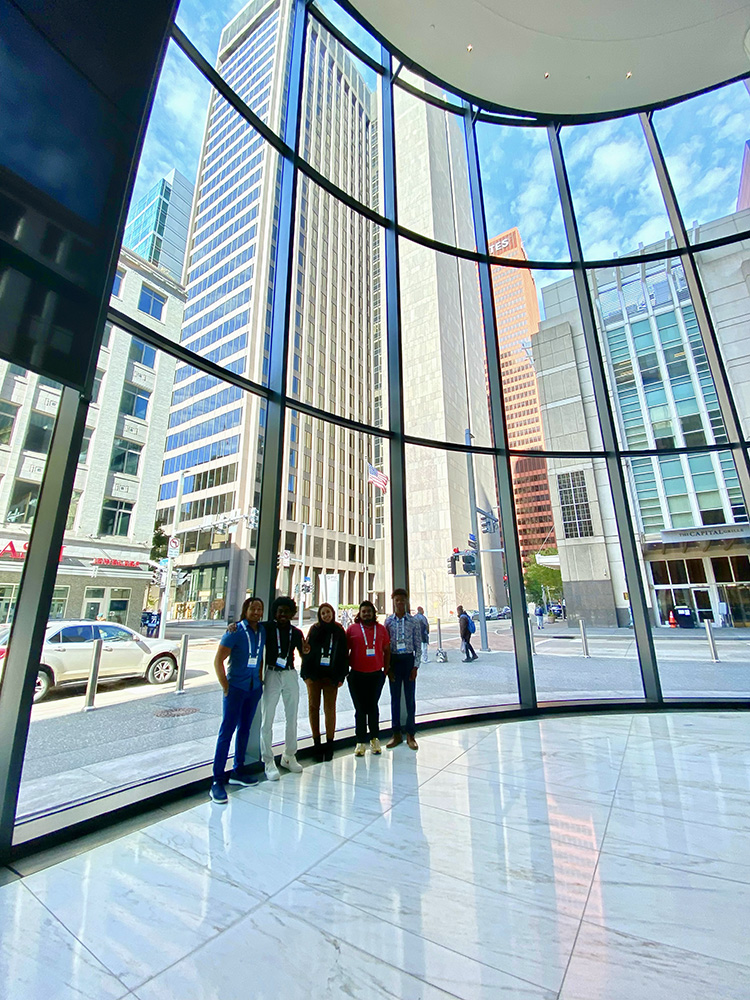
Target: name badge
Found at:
400, 647
253, 663
325, 661
369, 652
281, 662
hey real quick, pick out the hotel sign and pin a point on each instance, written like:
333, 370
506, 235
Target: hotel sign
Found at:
706, 533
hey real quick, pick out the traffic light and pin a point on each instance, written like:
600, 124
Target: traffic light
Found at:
180, 577
452, 565
488, 523
469, 561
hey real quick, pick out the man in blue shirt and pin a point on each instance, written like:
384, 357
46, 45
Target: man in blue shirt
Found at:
242, 685
405, 633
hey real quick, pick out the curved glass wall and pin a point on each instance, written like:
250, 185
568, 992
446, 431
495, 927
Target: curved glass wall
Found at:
363, 334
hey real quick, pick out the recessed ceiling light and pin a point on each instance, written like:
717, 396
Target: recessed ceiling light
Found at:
469, 47
628, 75
546, 76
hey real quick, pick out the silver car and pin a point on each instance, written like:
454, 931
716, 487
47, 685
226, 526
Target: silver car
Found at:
69, 645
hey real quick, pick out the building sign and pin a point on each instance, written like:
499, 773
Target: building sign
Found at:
707, 533
132, 563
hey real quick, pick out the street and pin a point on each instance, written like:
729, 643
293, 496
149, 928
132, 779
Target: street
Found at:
138, 730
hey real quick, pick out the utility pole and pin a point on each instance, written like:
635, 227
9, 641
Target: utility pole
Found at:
302, 576
475, 532
171, 555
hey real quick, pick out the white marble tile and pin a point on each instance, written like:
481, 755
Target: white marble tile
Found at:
496, 929
394, 772
551, 874
137, 905
442, 967
524, 806
273, 955
585, 777
700, 797
607, 965
316, 798
41, 960
676, 908
245, 844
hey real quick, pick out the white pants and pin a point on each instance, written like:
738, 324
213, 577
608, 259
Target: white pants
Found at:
277, 684
425, 656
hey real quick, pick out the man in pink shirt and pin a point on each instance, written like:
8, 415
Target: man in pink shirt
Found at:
369, 659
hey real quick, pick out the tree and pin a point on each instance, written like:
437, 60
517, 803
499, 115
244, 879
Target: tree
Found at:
538, 578
159, 544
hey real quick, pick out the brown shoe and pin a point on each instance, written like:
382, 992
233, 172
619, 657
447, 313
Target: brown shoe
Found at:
394, 741
412, 743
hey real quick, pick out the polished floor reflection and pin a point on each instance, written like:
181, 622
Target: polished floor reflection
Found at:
577, 857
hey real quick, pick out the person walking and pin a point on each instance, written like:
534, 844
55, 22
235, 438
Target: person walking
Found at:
281, 681
369, 660
422, 619
242, 685
405, 634
466, 631
324, 670
539, 613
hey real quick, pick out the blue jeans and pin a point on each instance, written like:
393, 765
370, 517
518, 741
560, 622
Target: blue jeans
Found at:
402, 665
238, 713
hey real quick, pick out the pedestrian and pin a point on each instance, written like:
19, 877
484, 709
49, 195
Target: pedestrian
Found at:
281, 681
466, 630
369, 660
324, 670
422, 619
242, 685
539, 612
405, 633
145, 615
345, 619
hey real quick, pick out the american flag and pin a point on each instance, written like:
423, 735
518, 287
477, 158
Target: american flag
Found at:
377, 478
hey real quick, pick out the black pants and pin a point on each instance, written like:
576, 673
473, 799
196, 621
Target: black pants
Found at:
365, 690
401, 667
469, 650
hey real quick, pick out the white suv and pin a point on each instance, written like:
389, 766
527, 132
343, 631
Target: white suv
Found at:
69, 645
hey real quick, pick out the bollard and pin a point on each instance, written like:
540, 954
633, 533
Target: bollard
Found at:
96, 659
182, 665
584, 640
711, 642
441, 656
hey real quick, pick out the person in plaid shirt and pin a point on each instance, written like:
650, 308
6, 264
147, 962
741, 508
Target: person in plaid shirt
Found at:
405, 632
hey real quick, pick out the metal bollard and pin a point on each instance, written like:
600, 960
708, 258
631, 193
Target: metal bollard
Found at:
96, 659
441, 656
711, 642
182, 665
584, 640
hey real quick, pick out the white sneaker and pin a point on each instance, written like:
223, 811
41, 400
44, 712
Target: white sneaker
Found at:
375, 746
359, 750
291, 764
272, 772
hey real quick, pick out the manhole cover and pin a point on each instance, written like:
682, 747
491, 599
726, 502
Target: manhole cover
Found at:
171, 713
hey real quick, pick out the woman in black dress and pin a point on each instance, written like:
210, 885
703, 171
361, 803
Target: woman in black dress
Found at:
324, 669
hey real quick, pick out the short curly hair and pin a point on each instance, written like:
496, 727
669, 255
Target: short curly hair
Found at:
284, 602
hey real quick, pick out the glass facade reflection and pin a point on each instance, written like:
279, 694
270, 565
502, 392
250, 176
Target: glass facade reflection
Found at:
398, 342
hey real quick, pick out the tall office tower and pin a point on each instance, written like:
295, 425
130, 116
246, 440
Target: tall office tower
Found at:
689, 511
444, 376
158, 224
517, 316
214, 450
104, 562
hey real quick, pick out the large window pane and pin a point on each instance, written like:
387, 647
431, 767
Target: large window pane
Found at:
432, 174
110, 585
340, 125
337, 350
439, 520
704, 141
443, 353
352, 29
520, 191
616, 196
655, 360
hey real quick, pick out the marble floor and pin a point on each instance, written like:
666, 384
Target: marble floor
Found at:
578, 857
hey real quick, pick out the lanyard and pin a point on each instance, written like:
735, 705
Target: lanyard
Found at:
278, 645
252, 634
365, 637
401, 629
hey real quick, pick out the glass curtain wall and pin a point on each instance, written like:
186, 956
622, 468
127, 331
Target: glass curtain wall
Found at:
381, 337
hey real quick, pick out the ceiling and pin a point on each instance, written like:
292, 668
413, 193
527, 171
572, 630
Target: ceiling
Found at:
669, 48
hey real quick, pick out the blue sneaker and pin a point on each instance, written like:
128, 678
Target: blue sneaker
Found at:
218, 793
239, 778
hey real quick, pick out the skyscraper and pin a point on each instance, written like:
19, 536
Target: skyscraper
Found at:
157, 227
517, 317
216, 431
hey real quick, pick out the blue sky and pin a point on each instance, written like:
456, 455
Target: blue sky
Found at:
613, 182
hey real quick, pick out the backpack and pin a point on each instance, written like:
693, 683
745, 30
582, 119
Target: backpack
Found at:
472, 626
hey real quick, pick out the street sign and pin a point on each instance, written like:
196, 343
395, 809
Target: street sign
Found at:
286, 558
163, 562
473, 541
173, 547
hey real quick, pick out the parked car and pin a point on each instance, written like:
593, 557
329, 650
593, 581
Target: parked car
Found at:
68, 648
505, 613
491, 614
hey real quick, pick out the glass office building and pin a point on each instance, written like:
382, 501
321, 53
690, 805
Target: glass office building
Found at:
349, 315
158, 224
